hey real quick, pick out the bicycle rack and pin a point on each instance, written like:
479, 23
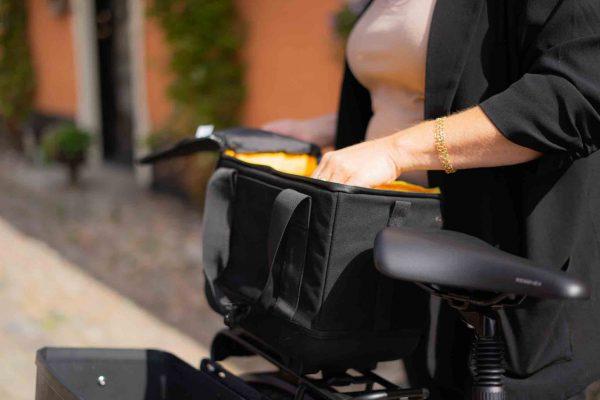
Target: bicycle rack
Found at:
237, 342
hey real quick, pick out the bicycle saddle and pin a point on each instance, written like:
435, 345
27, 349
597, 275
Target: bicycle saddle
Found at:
452, 259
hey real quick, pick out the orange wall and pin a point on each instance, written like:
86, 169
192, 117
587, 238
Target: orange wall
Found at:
293, 62
292, 59
158, 76
53, 60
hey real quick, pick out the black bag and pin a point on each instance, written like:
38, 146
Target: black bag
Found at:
289, 259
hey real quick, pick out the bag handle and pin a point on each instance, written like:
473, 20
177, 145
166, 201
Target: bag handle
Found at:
216, 231
286, 249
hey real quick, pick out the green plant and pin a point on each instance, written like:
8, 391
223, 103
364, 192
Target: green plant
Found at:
16, 71
205, 37
344, 21
67, 144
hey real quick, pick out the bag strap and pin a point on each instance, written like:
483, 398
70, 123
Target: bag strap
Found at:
288, 229
399, 213
216, 234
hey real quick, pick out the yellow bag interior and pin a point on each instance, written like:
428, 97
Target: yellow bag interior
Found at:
305, 164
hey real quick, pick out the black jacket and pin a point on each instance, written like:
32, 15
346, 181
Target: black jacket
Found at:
534, 68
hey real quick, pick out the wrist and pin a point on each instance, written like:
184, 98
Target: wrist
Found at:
414, 148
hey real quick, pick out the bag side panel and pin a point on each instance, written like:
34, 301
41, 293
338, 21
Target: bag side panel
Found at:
220, 193
248, 266
356, 296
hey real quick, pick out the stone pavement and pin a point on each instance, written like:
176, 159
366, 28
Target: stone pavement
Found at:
46, 301
146, 246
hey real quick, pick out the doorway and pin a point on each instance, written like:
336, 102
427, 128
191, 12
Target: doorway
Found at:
114, 59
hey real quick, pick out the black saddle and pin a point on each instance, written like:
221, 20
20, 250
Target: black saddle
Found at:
455, 260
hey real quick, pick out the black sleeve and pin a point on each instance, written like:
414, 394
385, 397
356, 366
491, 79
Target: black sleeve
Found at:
354, 112
555, 106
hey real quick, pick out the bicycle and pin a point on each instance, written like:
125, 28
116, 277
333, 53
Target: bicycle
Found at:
476, 279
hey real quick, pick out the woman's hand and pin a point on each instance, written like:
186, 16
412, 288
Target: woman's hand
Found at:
471, 139
319, 130
366, 164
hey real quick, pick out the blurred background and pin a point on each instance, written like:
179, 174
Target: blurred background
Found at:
95, 250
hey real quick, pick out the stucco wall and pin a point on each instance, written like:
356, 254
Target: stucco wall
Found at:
294, 63
53, 60
158, 76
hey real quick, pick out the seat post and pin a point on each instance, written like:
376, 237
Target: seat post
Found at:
487, 358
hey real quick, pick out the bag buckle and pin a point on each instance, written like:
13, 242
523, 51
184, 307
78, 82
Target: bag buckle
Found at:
235, 313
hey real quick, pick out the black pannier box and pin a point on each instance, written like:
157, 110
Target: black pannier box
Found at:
127, 374
289, 258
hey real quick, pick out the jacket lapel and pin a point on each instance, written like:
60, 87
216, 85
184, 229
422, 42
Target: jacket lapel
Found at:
452, 28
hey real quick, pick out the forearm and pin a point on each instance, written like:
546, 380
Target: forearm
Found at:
319, 130
472, 141
326, 124
471, 138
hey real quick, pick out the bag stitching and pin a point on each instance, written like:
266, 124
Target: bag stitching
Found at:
332, 223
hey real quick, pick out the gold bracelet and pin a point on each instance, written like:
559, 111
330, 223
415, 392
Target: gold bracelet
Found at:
439, 134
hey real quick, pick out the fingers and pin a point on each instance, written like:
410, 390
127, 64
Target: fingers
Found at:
340, 174
332, 169
321, 168
366, 164
359, 182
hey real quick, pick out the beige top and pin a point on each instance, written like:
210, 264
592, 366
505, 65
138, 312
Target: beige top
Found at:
387, 51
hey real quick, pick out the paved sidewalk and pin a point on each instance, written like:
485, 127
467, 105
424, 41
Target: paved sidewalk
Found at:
46, 301
146, 246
